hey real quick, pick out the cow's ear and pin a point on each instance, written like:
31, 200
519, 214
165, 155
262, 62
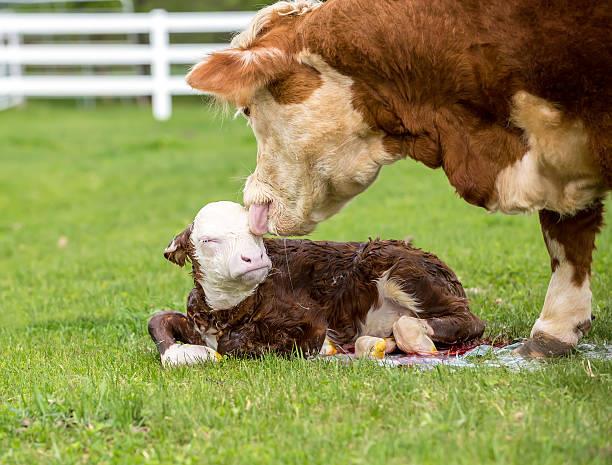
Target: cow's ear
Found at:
235, 74
177, 250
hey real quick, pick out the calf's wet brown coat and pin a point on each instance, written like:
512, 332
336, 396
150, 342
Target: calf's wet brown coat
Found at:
316, 289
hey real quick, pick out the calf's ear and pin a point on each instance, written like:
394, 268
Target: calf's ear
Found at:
177, 250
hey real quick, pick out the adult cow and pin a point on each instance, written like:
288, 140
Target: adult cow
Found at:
511, 98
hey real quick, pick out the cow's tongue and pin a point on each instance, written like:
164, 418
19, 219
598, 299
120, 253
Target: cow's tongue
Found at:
258, 218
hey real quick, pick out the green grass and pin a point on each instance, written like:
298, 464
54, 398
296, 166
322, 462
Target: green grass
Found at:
80, 380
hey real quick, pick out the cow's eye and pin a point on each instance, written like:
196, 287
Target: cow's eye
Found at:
208, 240
246, 111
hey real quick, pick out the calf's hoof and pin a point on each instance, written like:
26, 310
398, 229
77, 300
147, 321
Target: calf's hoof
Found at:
370, 347
390, 345
411, 336
541, 345
188, 354
328, 348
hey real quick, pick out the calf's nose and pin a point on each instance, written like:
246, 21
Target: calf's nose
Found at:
254, 258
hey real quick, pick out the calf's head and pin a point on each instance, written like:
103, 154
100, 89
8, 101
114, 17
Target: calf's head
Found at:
228, 260
314, 149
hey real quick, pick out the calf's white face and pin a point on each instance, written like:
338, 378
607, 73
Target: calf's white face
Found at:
224, 246
229, 260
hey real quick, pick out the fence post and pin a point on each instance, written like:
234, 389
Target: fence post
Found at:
15, 70
160, 65
5, 100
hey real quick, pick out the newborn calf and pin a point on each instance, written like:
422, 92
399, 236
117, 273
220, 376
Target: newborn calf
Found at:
253, 295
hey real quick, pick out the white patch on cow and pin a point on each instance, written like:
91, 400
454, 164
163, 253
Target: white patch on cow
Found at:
221, 297
558, 173
390, 289
313, 156
263, 17
392, 304
379, 320
188, 354
566, 305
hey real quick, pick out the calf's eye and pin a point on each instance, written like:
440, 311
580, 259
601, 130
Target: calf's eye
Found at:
246, 111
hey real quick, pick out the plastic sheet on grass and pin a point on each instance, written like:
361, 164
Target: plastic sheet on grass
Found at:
482, 355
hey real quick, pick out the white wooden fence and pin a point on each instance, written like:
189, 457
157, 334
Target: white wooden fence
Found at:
159, 53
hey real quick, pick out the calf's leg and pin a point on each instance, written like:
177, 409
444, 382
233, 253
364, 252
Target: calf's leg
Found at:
420, 335
412, 335
328, 348
423, 311
167, 329
373, 347
566, 314
455, 328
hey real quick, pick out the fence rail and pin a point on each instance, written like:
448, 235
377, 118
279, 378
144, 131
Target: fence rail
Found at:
159, 53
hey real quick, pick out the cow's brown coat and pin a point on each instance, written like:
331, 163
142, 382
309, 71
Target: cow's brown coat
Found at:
438, 76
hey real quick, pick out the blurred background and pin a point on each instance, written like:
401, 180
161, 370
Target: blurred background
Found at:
131, 5
132, 50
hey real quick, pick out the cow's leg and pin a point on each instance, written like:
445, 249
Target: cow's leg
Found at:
167, 329
566, 315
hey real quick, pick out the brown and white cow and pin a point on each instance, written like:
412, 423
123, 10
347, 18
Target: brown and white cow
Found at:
513, 99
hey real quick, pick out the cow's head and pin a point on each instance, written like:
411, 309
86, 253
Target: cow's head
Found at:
315, 151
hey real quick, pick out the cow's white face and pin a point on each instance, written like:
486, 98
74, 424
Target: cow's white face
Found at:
229, 261
313, 156
315, 151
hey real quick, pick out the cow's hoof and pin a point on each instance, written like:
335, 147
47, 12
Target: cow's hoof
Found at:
542, 345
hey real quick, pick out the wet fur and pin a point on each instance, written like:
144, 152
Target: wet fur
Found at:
319, 288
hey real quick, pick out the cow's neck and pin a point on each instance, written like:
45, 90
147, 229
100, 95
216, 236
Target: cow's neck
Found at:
419, 79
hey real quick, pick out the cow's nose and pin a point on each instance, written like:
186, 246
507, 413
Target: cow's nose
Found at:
245, 259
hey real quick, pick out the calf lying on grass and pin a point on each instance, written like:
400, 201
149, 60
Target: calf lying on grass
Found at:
253, 295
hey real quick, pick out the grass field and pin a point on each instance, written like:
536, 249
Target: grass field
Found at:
89, 200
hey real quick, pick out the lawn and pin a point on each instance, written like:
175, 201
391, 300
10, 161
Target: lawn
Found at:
89, 200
